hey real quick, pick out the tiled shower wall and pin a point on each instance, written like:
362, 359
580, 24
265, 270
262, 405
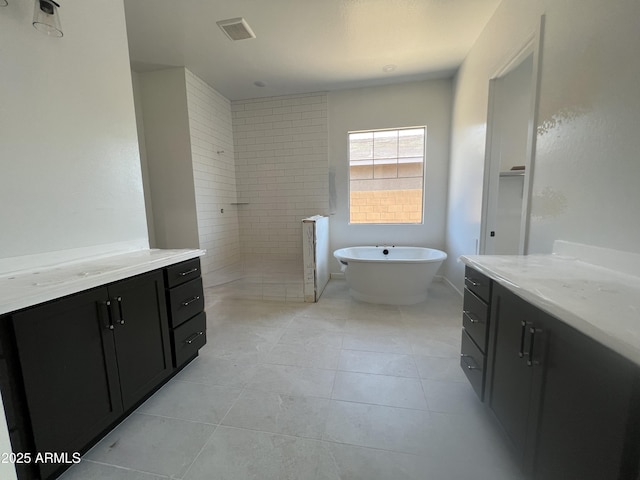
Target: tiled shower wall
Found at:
214, 175
281, 172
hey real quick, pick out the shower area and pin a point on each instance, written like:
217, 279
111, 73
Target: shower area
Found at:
233, 177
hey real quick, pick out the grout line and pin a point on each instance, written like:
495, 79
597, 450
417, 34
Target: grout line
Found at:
120, 467
186, 472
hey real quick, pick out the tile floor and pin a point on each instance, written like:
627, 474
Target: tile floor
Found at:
260, 279
334, 390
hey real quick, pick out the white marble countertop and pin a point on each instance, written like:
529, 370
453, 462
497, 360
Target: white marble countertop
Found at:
25, 288
600, 302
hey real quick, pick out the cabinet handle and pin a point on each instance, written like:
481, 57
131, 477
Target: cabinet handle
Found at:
188, 272
466, 364
190, 301
473, 282
119, 300
105, 305
191, 339
530, 360
472, 318
523, 333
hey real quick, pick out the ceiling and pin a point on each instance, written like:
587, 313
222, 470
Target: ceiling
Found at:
305, 45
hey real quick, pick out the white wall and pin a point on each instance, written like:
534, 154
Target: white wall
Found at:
163, 95
70, 164
70, 175
135, 78
412, 104
586, 164
505, 34
281, 171
214, 178
188, 139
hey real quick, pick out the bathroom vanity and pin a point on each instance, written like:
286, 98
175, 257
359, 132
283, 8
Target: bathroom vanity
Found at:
87, 343
551, 345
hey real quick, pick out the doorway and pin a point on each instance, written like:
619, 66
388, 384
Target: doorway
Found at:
510, 154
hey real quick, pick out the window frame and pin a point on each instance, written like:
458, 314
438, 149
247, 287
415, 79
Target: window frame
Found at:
422, 177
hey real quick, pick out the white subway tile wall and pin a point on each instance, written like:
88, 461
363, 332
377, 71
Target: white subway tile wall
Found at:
281, 172
212, 150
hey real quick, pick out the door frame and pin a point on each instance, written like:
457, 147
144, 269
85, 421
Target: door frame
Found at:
531, 46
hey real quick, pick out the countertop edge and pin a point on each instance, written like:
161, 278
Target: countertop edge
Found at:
615, 342
42, 294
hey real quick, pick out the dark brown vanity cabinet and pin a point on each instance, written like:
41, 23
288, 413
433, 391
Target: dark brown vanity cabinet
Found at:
185, 303
514, 378
569, 406
80, 362
589, 422
475, 323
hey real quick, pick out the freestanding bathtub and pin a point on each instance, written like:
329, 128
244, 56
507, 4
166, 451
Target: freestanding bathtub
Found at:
389, 275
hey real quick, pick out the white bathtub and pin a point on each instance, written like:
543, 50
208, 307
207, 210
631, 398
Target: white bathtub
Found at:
389, 275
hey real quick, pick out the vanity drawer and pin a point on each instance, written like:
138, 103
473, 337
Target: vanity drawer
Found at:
186, 301
473, 364
182, 272
188, 338
475, 315
477, 283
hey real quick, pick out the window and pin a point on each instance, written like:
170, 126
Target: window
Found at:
386, 175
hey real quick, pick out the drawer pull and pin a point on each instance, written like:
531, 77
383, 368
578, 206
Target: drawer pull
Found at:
472, 318
473, 282
188, 272
193, 337
190, 301
467, 364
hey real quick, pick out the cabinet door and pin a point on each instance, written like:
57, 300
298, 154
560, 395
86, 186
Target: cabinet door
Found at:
141, 335
589, 425
515, 374
67, 356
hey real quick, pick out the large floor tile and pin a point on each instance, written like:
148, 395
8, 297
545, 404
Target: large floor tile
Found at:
440, 368
303, 356
196, 402
290, 380
323, 322
152, 444
379, 363
361, 463
212, 370
379, 390
253, 313
397, 407
231, 333
277, 413
450, 397
371, 342
87, 470
238, 454
379, 324
388, 428
311, 338
434, 347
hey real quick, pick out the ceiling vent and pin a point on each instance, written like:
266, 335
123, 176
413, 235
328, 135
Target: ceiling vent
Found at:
236, 29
